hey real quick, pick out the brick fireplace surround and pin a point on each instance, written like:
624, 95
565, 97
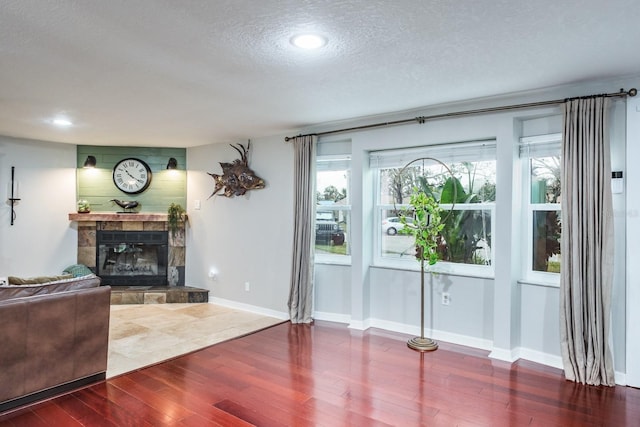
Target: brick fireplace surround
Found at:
90, 223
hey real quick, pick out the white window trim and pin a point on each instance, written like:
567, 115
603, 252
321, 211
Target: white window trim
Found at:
334, 258
442, 267
482, 150
529, 275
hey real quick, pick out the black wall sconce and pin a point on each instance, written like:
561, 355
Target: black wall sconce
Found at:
173, 163
90, 162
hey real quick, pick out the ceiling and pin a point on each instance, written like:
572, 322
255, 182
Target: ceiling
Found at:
186, 73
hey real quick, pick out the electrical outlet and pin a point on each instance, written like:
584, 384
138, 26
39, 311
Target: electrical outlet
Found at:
247, 286
446, 298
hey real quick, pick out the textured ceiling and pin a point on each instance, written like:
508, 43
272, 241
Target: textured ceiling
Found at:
185, 73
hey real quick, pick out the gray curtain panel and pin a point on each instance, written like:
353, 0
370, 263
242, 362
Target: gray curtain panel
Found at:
301, 292
587, 243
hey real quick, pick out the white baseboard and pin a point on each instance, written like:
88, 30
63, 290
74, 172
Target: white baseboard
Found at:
466, 340
556, 362
342, 318
432, 333
360, 325
332, 317
397, 327
540, 357
504, 354
248, 307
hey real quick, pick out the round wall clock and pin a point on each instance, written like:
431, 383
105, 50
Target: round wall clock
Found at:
131, 175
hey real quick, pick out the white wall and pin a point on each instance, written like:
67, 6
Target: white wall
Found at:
332, 300
42, 240
540, 324
395, 305
246, 238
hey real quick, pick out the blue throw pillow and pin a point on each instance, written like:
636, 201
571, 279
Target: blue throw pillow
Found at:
78, 270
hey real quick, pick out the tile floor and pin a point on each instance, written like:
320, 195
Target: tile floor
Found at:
144, 334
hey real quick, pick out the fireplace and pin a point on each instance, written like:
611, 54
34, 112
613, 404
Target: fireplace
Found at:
131, 247
132, 258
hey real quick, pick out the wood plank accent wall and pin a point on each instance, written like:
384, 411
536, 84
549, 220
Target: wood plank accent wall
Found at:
96, 185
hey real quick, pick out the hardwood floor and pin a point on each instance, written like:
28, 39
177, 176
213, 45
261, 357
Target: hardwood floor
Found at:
328, 375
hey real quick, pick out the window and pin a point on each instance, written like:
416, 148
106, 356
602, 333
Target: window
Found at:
541, 155
333, 209
462, 178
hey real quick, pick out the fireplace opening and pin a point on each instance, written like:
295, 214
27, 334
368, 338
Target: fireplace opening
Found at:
132, 258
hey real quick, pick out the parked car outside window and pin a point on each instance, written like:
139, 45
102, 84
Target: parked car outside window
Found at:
328, 230
392, 225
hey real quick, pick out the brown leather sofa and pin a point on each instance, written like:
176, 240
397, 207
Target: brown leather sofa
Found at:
52, 341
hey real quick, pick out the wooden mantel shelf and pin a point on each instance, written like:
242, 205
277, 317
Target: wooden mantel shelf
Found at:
114, 216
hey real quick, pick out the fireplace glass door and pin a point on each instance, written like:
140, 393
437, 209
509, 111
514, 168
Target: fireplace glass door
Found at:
132, 258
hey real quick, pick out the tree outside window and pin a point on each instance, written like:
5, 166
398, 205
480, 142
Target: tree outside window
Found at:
545, 193
467, 198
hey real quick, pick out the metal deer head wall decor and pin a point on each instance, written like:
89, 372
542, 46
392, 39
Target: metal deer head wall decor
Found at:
237, 178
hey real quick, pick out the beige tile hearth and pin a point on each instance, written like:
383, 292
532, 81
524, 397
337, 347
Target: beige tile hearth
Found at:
144, 334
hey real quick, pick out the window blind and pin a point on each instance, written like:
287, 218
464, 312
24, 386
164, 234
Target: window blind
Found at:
446, 153
541, 145
333, 163
333, 156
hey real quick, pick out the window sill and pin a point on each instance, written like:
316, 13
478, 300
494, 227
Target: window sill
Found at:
442, 268
338, 260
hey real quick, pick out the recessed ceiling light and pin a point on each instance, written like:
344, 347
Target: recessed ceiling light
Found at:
308, 41
62, 122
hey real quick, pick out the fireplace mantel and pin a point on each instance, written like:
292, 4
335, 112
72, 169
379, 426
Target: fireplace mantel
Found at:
114, 216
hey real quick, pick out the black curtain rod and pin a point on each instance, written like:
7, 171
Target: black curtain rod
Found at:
423, 119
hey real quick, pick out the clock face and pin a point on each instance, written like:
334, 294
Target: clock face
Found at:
131, 175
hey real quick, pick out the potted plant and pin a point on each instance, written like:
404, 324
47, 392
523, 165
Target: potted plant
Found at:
84, 206
176, 216
425, 226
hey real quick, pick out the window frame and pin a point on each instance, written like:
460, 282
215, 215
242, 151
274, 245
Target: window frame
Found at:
410, 263
548, 142
444, 267
322, 258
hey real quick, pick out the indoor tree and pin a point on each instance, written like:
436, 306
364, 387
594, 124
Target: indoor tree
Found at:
425, 226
